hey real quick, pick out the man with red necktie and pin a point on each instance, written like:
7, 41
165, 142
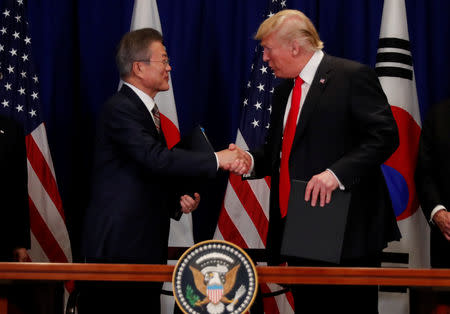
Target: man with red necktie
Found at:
331, 126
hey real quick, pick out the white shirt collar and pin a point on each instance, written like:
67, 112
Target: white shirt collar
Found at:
310, 69
146, 99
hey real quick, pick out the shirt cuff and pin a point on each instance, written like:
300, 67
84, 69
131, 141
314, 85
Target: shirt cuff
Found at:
250, 171
217, 160
435, 210
341, 186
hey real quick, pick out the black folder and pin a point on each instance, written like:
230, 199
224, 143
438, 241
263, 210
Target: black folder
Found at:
315, 233
196, 141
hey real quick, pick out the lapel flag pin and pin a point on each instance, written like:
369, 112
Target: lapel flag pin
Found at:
322, 81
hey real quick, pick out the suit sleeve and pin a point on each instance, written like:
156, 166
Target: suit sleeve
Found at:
376, 134
426, 182
262, 159
128, 128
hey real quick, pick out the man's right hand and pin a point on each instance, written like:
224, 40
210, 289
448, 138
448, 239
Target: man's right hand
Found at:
442, 219
234, 159
320, 188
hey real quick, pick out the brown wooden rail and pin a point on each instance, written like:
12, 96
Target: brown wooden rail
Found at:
286, 275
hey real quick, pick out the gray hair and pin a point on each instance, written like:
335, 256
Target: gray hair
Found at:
133, 47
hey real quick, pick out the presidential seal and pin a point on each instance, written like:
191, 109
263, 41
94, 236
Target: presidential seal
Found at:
214, 277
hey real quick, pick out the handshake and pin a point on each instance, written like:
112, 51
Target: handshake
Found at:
234, 159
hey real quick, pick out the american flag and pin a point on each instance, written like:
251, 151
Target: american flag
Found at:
244, 217
19, 99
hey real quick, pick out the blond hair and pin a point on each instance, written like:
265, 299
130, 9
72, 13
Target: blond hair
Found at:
291, 25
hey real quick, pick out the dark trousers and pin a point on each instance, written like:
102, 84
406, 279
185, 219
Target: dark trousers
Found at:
319, 299
119, 297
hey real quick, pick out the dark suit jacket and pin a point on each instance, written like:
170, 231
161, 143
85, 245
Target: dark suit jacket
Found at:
14, 210
134, 178
433, 175
345, 125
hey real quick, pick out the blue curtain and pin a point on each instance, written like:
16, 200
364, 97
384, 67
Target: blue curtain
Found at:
211, 47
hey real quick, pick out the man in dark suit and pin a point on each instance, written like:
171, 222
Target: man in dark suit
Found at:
135, 177
433, 184
15, 221
333, 127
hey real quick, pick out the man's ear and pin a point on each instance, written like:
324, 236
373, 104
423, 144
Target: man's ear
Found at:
136, 69
295, 48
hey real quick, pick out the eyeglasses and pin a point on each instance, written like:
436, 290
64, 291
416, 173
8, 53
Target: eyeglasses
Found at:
165, 62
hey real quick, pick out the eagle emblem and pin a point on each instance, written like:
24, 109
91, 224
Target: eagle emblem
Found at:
208, 281
214, 277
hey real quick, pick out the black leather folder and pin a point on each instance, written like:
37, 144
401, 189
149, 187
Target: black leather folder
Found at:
315, 233
196, 141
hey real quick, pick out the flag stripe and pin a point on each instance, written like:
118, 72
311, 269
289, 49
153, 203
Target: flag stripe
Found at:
394, 57
261, 190
394, 43
270, 304
394, 65
251, 205
45, 237
391, 49
37, 253
242, 220
44, 173
229, 231
268, 181
48, 212
395, 72
285, 308
40, 137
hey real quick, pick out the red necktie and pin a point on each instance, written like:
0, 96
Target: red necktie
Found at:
288, 138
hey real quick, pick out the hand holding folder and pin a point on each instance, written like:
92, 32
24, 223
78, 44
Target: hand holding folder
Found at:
315, 233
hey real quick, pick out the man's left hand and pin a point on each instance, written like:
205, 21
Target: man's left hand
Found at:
321, 186
189, 204
21, 255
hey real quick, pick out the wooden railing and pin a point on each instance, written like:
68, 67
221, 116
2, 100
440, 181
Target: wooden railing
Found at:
13, 272
283, 275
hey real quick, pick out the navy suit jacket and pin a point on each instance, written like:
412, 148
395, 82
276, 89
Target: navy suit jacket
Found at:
134, 184
345, 125
14, 210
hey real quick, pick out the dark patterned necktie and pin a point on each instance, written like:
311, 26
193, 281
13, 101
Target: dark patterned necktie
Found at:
156, 118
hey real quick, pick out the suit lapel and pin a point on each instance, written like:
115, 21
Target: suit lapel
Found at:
127, 91
323, 75
279, 110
